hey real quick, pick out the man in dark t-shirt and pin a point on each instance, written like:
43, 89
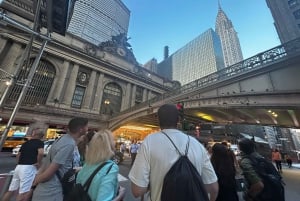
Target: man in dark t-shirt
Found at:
29, 160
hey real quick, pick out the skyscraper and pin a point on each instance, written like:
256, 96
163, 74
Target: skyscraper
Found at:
97, 21
200, 57
230, 42
286, 14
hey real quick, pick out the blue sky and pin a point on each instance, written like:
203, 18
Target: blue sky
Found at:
157, 23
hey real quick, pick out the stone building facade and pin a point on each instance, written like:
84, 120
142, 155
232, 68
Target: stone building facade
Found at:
73, 78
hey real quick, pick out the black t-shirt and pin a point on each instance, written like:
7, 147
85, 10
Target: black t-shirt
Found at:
29, 152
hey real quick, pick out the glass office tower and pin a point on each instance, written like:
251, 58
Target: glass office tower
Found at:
230, 42
200, 57
286, 14
97, 20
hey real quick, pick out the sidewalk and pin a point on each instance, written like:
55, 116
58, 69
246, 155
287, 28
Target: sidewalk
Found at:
296, 165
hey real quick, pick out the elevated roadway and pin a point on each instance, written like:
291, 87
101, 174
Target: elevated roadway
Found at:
263, 89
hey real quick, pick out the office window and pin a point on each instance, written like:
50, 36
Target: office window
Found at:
78, 96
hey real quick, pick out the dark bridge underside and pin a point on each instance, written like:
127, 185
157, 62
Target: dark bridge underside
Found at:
259, 116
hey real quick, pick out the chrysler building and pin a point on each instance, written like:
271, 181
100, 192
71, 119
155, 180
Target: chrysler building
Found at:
229, 40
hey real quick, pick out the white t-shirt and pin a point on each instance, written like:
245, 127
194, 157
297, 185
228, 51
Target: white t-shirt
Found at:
157, 154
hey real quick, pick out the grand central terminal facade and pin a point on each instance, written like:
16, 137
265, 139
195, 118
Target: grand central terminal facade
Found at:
73, 78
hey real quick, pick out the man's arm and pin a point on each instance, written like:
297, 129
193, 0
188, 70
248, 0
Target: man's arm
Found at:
213, 190
47, 174
138, 191
40, 157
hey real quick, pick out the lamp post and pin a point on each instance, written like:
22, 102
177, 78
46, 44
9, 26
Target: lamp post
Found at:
106, 103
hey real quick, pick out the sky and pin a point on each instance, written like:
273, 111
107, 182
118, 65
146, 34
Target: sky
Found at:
155, 24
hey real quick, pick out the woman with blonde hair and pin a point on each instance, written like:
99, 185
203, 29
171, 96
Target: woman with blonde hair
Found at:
99, 150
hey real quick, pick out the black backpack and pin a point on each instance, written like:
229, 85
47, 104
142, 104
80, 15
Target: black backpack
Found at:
183, 182
271, 178
79, 192
67, 181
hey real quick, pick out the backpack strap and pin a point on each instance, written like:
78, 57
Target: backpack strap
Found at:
186, 148
90, 179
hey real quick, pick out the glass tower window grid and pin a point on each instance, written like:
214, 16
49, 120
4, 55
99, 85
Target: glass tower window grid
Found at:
109, 15
78, 96
40, 85
112, 99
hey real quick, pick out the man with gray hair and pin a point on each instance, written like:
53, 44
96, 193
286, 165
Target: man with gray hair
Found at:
29, 160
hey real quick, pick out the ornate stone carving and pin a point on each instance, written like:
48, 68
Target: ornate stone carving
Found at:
83, 78
90, 49
119, 46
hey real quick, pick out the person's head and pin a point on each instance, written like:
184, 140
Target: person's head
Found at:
219, 150
100, 148
246, 146
78, 126
83, 141
37, 134
276, 150
168, 116
225, 143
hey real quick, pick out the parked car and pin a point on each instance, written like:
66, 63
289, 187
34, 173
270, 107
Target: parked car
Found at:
47, 146
12, 142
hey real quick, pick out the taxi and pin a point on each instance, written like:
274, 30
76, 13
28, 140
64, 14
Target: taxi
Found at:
12, 142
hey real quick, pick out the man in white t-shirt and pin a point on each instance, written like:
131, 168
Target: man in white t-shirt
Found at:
156, 156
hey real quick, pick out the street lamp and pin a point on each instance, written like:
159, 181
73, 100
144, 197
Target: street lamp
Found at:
106, 103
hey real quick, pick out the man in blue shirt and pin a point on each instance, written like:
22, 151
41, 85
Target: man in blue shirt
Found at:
133, 151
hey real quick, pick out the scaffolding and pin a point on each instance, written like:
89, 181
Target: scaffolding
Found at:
34, 33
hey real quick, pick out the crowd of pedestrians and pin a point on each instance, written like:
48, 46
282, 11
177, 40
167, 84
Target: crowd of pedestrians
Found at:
85, 151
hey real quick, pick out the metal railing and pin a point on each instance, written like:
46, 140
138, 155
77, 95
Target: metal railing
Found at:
259, 61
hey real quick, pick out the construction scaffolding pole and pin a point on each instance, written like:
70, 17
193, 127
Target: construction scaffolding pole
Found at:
25, 57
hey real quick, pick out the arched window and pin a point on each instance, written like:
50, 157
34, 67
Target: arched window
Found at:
112, 99
40, 85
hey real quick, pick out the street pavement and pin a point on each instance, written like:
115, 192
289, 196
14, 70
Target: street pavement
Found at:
291, 177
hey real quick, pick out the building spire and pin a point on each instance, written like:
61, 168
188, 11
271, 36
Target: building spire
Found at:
219, 5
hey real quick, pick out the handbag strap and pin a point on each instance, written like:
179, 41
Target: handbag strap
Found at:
187, 145
87, 184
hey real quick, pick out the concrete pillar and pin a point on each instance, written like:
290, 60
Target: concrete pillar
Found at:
60, 82
89, 91
133, 95
9, 62
145, 95
99, 93
71, 86
149, 95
